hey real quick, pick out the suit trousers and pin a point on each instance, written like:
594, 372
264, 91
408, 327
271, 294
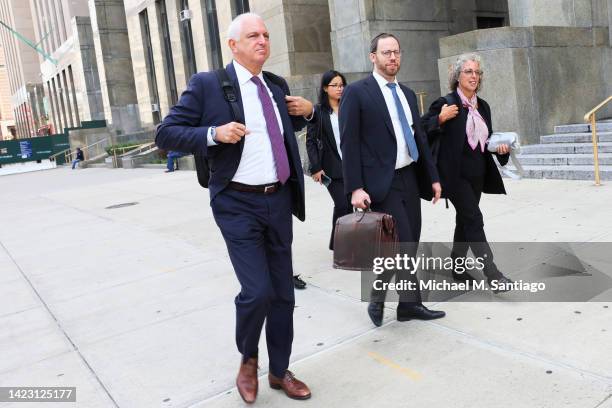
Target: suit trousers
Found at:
469, 224
258, 232
342, 205
404, 205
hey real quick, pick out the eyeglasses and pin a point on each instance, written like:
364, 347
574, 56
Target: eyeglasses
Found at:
469, 72
387, 53
336, 85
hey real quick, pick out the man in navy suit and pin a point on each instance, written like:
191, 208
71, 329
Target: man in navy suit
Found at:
256, 183
387, 163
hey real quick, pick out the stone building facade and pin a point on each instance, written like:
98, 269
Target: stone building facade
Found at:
172, 39
128, 61
7, 122
21, 61
549, 67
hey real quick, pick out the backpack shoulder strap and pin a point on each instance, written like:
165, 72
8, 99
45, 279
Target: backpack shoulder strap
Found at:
230, 94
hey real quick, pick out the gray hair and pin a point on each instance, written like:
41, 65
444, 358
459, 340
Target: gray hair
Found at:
455, 70
233, 31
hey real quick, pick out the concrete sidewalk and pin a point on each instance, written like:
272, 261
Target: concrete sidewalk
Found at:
134, 305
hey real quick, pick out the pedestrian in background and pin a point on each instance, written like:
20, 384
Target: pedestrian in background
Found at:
323, 145
172, 163
79, 157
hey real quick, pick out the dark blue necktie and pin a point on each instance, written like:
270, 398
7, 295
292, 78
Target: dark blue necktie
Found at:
408, 135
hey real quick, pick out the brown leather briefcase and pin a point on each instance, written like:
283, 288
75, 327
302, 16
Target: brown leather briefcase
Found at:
362, 236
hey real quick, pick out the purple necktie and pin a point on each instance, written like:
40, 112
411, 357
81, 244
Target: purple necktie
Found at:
276, 138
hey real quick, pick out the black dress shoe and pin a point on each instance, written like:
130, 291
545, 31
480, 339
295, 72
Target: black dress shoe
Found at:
298, 283
419, 312
503, 284
463, 277
375, 311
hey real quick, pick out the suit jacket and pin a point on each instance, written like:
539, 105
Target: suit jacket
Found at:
369, 146
328, 159
202, 105
452, 139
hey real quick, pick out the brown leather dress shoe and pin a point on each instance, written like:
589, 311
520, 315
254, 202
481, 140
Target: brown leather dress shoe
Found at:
293, 387
247, 380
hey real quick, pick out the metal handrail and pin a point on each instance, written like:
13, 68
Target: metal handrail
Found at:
130, 149
138, 149
421, 96
68, 152
590, 117
54, 156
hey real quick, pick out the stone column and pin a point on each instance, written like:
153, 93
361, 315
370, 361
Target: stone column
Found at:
556, 13
419, 25
549, 68
299, 31
115, 64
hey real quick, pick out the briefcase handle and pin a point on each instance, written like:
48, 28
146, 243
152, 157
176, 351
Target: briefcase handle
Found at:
362, 211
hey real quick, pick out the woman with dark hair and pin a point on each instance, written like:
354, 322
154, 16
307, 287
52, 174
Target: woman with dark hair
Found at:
323, 145
461, 123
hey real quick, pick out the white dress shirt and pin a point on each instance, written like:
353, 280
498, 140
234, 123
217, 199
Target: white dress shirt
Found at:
402, 158
257, 161
333, 118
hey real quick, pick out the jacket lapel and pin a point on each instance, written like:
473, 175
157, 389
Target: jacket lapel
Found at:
288, 135
279, 98
328, 132
379, 100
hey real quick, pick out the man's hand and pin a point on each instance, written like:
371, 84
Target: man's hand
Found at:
298, 106
437, 192
359, 197
230, 132
317, 176
447, 113
503, 149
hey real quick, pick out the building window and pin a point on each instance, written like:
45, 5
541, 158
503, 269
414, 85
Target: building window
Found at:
150, 65
62, 103
162, 17
56, 96
74, 100
53, 109
489, 22
239, 7
66, 91
187, 39
213, 41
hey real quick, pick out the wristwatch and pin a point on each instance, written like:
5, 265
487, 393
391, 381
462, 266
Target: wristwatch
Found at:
213, 133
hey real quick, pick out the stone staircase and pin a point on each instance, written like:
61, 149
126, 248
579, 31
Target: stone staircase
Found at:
568, 154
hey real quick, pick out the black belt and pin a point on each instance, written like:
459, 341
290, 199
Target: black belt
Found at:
262, 188
403, 169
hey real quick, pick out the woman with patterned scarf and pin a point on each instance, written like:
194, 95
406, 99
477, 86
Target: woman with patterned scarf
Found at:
461, 123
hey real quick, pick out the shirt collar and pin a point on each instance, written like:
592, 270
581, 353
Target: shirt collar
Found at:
382, 82
244, 75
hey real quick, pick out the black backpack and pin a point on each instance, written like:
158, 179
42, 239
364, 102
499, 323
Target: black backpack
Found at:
201, 161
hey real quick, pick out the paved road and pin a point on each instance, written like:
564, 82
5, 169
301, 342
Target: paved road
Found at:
134, 305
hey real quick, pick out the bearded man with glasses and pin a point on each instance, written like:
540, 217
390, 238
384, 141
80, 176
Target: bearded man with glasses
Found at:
387, 163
